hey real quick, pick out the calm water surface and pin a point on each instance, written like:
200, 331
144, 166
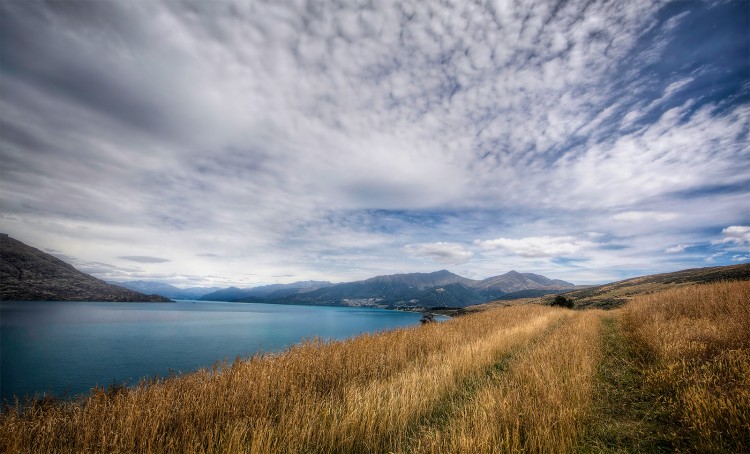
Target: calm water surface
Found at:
69, 347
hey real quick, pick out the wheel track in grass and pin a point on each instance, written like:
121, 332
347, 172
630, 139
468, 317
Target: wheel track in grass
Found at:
448, 409
627, 417
535, 400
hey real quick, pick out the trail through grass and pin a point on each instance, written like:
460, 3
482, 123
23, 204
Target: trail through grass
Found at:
626, 416
446, 413
538, 404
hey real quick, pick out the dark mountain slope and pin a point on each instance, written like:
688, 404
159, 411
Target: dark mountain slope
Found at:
29, 274
451, 295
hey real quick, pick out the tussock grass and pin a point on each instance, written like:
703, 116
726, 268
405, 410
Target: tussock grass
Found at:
361, 394
538, 404
694, 347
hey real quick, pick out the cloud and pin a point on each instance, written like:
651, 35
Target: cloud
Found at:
735, 235
678, 248
540, 246
317, 141
444, 253
144, 259
636, 216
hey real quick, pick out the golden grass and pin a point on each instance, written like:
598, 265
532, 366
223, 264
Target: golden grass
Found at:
364, 394
518, 379
695, 348
540, 404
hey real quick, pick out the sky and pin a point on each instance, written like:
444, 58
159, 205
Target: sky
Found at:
254, 142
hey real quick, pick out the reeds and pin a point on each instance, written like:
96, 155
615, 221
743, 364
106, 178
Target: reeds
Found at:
694, 346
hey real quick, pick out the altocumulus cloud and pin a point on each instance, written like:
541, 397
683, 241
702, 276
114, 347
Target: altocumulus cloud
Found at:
318, 140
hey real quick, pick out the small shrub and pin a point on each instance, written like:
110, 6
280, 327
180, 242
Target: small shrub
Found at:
427, 317
562, 301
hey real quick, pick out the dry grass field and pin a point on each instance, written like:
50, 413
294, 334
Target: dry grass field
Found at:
693, 347
526, 378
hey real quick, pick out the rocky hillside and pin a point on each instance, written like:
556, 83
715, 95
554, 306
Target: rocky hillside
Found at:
29, 274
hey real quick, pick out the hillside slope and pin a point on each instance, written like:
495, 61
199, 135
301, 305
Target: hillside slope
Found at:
618, 293
28, 274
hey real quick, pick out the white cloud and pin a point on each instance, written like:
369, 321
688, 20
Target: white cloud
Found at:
637, 216
445, 253
735, 235
539, 246
678, 248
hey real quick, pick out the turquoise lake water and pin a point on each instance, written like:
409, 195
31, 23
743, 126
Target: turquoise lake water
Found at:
66, 348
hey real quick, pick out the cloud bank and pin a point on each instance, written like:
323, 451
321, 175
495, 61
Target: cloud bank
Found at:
321, 140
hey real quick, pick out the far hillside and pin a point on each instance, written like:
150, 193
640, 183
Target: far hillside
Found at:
618, 293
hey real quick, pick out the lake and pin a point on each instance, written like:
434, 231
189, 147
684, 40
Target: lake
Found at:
66, 348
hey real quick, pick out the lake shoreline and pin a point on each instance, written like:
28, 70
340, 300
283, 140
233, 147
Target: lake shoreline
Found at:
67, 349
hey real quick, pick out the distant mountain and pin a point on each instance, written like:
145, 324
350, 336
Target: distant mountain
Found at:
618, 293
382, 291
167, 290
420, 281
437, 289
273, 291
513, 281
226, 294
29, 274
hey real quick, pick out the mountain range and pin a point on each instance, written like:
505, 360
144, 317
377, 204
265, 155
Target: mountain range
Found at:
28, 274
437, 289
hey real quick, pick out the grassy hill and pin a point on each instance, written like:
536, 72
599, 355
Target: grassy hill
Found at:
618, 293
